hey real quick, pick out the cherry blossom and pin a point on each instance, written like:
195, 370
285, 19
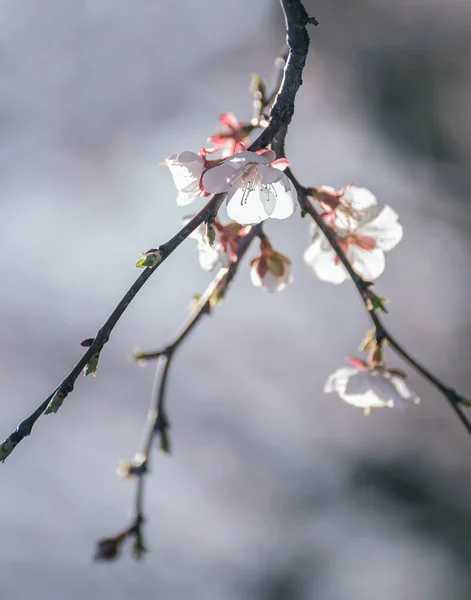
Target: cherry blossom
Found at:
270, 271
364, 231
231, 134
255, 184
187, 169
371, 386
223, 249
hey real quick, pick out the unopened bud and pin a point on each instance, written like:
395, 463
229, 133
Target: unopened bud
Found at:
211, 233
150, 259
56, 402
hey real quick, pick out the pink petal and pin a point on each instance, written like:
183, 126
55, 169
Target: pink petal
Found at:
229, 120
266, 153
280, 163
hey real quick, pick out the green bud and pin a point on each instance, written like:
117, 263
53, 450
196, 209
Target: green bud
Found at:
149, 259
56, 402
374, 302
232, 229
376, 355
369, 341
92, 365
211, 233
138, 548
217, 297
165, 445
276, 264
6, 449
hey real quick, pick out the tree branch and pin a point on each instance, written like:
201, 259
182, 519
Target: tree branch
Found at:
364, 289
156, 420
67, 385
297, 39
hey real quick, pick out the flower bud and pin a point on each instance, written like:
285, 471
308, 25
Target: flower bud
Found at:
270, 271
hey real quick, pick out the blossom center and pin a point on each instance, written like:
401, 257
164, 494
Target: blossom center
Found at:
365, 242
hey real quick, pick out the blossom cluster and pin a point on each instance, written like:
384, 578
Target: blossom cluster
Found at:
364, 231
257, 188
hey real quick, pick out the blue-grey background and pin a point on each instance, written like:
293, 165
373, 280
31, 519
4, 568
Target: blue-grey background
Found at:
274, 490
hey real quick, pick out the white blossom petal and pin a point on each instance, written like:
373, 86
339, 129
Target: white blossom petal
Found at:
369, 264
354, 387
186, 169
245, 206
321, 258
269, 175
248, 157
382, 225
407, 393
220, 179
337, 381
373, 388
209, 257
286, 197
269, 282
358, 198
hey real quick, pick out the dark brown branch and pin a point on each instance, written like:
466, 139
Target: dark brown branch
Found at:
156, 420
297, 39
67, 385
222, 279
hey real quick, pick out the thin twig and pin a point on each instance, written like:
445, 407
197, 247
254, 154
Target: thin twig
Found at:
155, 415
203, 306
297, 39
156, 420
364, 289
67, 385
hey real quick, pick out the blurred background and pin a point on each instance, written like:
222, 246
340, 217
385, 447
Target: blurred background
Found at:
274, 490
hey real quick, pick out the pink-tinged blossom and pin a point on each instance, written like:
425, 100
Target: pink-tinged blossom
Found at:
367, 387
187, 169
232, 133
364, 231
351, 199
270, 271
256, 186
223, 250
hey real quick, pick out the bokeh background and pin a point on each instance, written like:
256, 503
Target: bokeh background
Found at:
274, 490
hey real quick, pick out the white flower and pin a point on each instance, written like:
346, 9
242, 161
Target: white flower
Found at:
371, 387
186, 169
256, 186
271, 271
363, 240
